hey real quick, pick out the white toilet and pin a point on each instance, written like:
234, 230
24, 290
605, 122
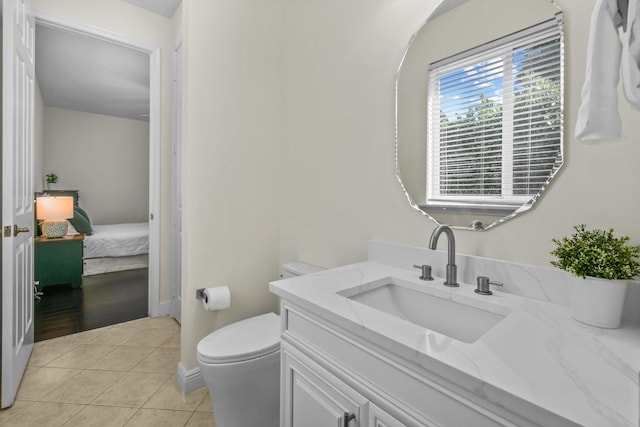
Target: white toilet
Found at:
240, 364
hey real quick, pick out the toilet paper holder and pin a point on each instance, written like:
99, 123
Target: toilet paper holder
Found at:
214, 298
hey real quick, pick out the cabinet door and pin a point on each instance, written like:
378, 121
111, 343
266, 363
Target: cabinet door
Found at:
313, 397
379, 418
58, 261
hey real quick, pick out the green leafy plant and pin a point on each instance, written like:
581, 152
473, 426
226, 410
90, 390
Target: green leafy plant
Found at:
52, 178
597, 253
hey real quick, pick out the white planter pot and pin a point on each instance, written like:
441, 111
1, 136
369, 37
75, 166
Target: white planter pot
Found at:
597, 302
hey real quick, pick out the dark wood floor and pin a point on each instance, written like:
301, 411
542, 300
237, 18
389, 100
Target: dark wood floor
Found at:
105, 299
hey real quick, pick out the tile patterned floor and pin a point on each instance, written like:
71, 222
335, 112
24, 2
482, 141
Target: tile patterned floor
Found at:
121, 375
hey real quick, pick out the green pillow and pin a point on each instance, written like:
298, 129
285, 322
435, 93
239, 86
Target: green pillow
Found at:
78, 209
80, 222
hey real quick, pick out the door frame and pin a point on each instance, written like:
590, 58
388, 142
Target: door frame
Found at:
155, 77
176, 193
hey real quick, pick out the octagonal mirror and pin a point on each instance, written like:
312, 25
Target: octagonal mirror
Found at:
479, 110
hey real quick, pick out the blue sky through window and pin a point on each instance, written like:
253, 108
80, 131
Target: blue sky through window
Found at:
463, 88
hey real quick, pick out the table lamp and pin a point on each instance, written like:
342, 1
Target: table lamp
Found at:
54, 212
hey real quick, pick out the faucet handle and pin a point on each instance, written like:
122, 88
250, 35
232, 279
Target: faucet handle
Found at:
426, 271
483, 285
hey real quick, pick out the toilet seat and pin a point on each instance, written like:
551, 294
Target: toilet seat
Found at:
244, 340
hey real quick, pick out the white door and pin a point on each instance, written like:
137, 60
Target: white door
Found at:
17, 193
176, 198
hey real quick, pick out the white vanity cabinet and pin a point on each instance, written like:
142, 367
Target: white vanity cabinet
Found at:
330, 374
391, 365
313, 397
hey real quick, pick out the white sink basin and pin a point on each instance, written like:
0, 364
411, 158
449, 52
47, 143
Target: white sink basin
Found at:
461, 318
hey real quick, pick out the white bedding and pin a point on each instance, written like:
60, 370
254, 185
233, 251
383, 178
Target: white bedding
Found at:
112, 264
117, 240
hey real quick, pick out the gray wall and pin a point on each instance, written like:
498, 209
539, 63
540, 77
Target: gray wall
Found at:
105, 157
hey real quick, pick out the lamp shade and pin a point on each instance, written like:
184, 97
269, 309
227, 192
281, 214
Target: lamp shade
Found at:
49, 207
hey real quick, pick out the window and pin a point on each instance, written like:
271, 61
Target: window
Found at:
495, 121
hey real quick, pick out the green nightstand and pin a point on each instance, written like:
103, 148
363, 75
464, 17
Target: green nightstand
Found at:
58, 261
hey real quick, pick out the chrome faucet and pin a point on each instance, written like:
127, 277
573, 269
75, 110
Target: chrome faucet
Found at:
451, 275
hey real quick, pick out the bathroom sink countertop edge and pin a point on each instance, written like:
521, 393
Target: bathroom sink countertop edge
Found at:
538, 353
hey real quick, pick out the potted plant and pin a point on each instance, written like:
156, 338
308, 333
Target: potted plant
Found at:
601, 266
52, 179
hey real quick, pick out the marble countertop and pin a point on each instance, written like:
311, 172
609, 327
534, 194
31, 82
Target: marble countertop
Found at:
537, 353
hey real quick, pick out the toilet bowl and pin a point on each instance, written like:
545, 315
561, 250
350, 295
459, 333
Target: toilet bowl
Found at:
240, 364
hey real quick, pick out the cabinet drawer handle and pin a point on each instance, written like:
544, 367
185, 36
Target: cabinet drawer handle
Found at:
348, 416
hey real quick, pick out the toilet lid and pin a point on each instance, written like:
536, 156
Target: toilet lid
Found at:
243, 340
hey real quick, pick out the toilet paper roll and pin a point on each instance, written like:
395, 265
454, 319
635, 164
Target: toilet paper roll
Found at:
216, 298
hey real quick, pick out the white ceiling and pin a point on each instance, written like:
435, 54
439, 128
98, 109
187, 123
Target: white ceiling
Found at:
88, 74
162, 7
83, 73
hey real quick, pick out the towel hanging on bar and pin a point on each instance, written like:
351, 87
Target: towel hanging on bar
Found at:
613, 46
630, 61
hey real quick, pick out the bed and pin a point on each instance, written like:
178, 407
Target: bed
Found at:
116, 247
106, 248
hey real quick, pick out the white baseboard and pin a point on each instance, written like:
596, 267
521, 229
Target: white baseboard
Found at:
189, 381
164, 309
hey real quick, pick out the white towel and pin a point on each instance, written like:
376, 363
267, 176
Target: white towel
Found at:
598, 117
630, 62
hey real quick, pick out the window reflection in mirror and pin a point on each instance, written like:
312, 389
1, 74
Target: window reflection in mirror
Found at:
479, 110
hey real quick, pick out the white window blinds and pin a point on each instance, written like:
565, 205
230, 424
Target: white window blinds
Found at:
495, 120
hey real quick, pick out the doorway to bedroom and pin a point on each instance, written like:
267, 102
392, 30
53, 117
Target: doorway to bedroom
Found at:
93, 112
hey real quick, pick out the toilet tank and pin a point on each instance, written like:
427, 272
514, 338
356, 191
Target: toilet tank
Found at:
295, 268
